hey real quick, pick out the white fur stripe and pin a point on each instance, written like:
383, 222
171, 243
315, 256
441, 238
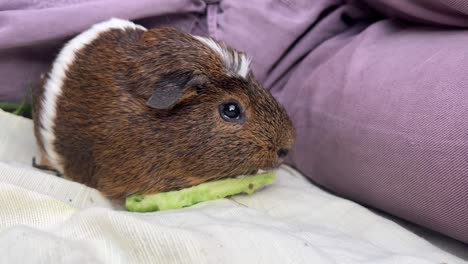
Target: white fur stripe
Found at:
236, 61
244, 66
54, 84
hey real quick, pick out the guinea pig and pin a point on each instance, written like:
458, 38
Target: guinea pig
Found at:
125, 109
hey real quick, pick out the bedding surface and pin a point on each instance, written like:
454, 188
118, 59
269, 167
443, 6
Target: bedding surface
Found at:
46, 219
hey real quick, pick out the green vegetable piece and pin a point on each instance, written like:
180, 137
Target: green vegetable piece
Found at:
203, 192
9, 106
23, 109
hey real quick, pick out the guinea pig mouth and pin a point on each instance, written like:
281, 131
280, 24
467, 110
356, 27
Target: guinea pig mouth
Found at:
270, 167
257, 171
262, 170
251, 172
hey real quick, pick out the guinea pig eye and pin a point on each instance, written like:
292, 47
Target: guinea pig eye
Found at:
231, 111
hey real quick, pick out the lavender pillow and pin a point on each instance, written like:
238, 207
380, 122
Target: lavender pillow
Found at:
435, 12
382, 119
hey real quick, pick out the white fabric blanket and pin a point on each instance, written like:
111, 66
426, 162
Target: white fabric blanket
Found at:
46, 219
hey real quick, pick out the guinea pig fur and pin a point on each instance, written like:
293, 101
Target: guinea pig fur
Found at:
126, 109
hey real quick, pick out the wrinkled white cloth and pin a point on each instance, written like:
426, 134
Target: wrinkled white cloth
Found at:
46, 219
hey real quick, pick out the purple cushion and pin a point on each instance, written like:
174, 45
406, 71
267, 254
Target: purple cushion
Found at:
435, 12
382, 119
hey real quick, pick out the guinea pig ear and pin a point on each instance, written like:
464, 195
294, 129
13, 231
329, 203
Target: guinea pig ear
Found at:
173, 88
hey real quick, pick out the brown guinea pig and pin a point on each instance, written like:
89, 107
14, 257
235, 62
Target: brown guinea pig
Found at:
125, 109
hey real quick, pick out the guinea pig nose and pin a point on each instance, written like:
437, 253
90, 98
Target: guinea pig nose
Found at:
283, 152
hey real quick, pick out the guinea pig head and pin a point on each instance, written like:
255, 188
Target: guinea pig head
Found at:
210, 117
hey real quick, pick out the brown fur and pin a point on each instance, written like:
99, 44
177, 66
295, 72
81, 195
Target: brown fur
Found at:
111, 140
